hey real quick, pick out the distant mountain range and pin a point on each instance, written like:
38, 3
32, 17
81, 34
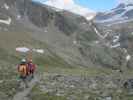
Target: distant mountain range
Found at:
123, 12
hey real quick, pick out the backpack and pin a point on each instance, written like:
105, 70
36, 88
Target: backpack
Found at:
22, 69
31, 67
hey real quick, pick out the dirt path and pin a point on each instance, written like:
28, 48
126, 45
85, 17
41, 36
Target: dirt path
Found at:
23, 95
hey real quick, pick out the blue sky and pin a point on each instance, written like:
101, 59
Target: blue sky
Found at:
97, 5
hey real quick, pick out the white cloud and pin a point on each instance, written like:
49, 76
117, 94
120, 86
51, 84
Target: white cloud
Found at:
58, 3
70, 5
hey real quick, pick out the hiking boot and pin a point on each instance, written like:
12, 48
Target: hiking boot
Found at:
32, 76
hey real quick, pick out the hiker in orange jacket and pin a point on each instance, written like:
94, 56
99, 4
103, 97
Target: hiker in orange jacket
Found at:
23, 71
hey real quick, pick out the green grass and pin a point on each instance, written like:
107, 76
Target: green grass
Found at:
75, 71
56, 64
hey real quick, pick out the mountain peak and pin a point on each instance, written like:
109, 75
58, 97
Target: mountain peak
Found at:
126, 2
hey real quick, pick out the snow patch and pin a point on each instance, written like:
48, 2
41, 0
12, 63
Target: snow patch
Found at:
75, 42
128, 57
18, 17
8, 21
128, 8
90, 17
25, 49
6, 6
22, 49
116, 38
115, 46
126, 1
98, 33
39, 50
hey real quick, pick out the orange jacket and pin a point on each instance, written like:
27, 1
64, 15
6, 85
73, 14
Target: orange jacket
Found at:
22, 69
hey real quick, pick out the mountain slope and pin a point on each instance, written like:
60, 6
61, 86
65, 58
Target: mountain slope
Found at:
70, 36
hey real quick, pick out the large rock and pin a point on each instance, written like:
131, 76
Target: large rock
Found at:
128, 84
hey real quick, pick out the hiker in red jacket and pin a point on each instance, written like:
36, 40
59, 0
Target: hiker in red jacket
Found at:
31, 68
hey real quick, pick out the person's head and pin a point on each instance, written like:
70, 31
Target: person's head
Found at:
23, 61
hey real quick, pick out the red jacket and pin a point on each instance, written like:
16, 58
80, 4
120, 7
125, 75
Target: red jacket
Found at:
31, 66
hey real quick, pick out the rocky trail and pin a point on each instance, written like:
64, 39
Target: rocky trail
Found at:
23, 94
